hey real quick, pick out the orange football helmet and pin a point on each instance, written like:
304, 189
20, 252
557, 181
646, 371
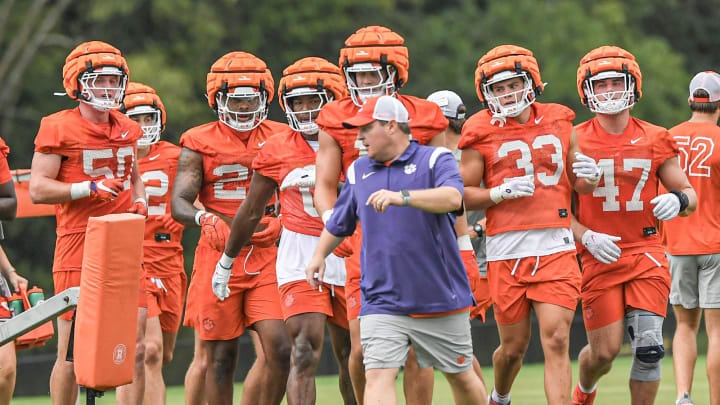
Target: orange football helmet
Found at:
309, 76
374, 49
142, 99
86, 71
609, 62
502, 63
240, 87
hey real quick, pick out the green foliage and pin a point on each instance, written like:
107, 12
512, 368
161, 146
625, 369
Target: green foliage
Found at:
171, 44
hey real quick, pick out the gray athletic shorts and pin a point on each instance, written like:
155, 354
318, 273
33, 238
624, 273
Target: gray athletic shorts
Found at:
695, 281
442, 342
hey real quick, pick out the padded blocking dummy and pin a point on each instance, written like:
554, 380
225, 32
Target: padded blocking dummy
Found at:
25, 206
106, 318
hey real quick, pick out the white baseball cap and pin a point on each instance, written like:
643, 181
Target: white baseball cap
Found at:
383, 108
450, 103
708, 81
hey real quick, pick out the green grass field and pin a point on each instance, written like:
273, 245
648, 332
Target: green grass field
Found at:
528, 388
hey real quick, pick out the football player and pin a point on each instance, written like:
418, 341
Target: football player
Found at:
526, 155
455, 111
215, 167
695, 256
84, 162
287, 161
8, 209
374, 62
165, 279
625, 272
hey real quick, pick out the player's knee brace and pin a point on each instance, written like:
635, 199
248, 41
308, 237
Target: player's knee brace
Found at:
645, 330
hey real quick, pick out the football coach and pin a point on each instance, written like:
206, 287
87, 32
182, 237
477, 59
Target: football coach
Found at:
414, 287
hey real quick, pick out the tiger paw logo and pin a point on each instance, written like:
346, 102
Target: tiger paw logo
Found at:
352, 301
208, 324
119, 354
589, 313
289, 300
461, 360
410, 168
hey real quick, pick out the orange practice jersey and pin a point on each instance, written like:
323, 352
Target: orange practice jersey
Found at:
281, 154
5, 175
89, 151
539, 148
620, 205
227, 161
698, 233
158, 170
426, 121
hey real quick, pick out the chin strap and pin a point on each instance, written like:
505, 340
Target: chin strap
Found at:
499, 120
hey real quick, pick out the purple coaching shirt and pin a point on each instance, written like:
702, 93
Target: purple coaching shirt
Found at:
410, 262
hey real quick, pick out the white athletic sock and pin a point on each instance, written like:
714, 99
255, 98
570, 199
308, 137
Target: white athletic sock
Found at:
585, 390
500, 399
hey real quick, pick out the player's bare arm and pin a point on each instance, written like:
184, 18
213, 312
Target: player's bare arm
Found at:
578, 229
249, 213
138, 187
438, 139
44, 188
674, 178
582, 170
8, 201
186, 187
328, 166
472, 167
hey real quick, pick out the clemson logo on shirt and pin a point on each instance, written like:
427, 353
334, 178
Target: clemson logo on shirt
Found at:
208, 324
351, 301
289, 300
410, 168
589, 313
461, 360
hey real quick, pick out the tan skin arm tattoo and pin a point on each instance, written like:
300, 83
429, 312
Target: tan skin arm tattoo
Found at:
186, 187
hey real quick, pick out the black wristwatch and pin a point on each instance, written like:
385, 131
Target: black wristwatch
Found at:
406, 197
478, 230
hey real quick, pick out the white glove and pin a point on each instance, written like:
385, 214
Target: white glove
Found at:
513, 188
601, 246
586, 167
300, 177
667, 206
221, 277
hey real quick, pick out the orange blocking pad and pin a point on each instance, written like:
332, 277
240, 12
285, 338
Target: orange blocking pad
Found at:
25, 206
106, 320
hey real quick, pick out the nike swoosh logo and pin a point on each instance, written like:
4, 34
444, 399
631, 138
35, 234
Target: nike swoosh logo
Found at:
124, 134
366, 175
537, 120
154, 157
260, 144
634, 141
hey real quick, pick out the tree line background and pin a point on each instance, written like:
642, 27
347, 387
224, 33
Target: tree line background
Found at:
170, 45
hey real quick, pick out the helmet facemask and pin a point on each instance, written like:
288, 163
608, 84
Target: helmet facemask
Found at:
304, 121
99, 96
610, 102
251, 105
384, 87
151, 133
523, 97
